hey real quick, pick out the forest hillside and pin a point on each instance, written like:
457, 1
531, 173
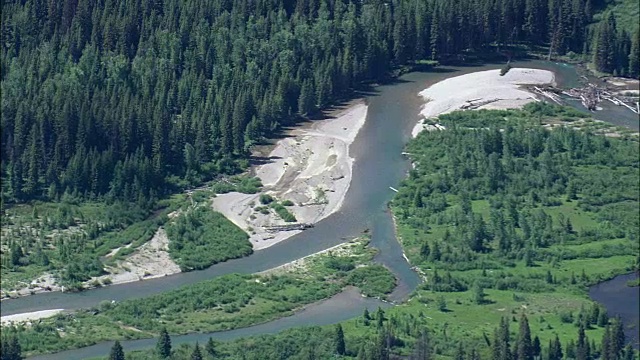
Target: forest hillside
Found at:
131, 99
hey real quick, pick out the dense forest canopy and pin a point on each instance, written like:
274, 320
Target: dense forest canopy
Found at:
131, 99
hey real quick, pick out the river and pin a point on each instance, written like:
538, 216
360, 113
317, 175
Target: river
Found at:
621, 300
393, 111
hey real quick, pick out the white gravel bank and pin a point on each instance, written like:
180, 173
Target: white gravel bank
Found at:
26, 317
312, 168
483, 87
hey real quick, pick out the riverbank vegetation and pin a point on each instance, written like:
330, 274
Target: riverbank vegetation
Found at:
68, 242
383, 335
226, 302
201, 237
70, 238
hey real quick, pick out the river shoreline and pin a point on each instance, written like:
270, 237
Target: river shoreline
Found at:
311, 169
314, 154
481, 90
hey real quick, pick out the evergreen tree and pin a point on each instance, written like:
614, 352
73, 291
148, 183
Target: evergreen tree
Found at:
116, 352
500, 347
524, 346
163, 346
421, 349
362, 353
459, 354
617, 340
478, 294
196, 354
536, 349
380, 317
10, 348
604, 48
381, 349
339, 341
582, 345
210, 348
634, 55
606, 348
366, 317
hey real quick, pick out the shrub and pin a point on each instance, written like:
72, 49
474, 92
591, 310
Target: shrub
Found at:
265, 199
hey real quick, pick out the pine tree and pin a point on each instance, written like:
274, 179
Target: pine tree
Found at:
10, 348
425, 249
362, 353
582, 345
604, 47
606, 348
305, 100
617, 336
196, 354
478, 294
116, 352
380, 317
525, 349
163, 346
536, 349
339, 341
421, 348
634, 55
381, 349
210, 348
501, 348
557, 349
459, 354
366, 317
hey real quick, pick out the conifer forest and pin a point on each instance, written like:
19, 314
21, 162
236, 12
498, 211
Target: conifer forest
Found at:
134, 99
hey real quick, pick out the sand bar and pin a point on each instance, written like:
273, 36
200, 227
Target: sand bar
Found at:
485, 88
26, 317
311, 168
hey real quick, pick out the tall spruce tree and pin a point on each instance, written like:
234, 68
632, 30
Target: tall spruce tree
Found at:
339, 340
634, 55
116, 352
196, 354
10, 348
210, 348
523, 342
163, 346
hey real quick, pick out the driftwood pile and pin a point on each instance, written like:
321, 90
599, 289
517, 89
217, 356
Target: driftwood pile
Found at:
590, 95
278, 228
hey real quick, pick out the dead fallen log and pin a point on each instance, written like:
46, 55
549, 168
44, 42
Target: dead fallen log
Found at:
289, 227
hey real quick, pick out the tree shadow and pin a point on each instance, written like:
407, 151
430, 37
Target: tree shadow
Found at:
262, 160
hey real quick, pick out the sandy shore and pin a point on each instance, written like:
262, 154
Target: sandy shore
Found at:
149, 261
26, 317
481, 90
311, 168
